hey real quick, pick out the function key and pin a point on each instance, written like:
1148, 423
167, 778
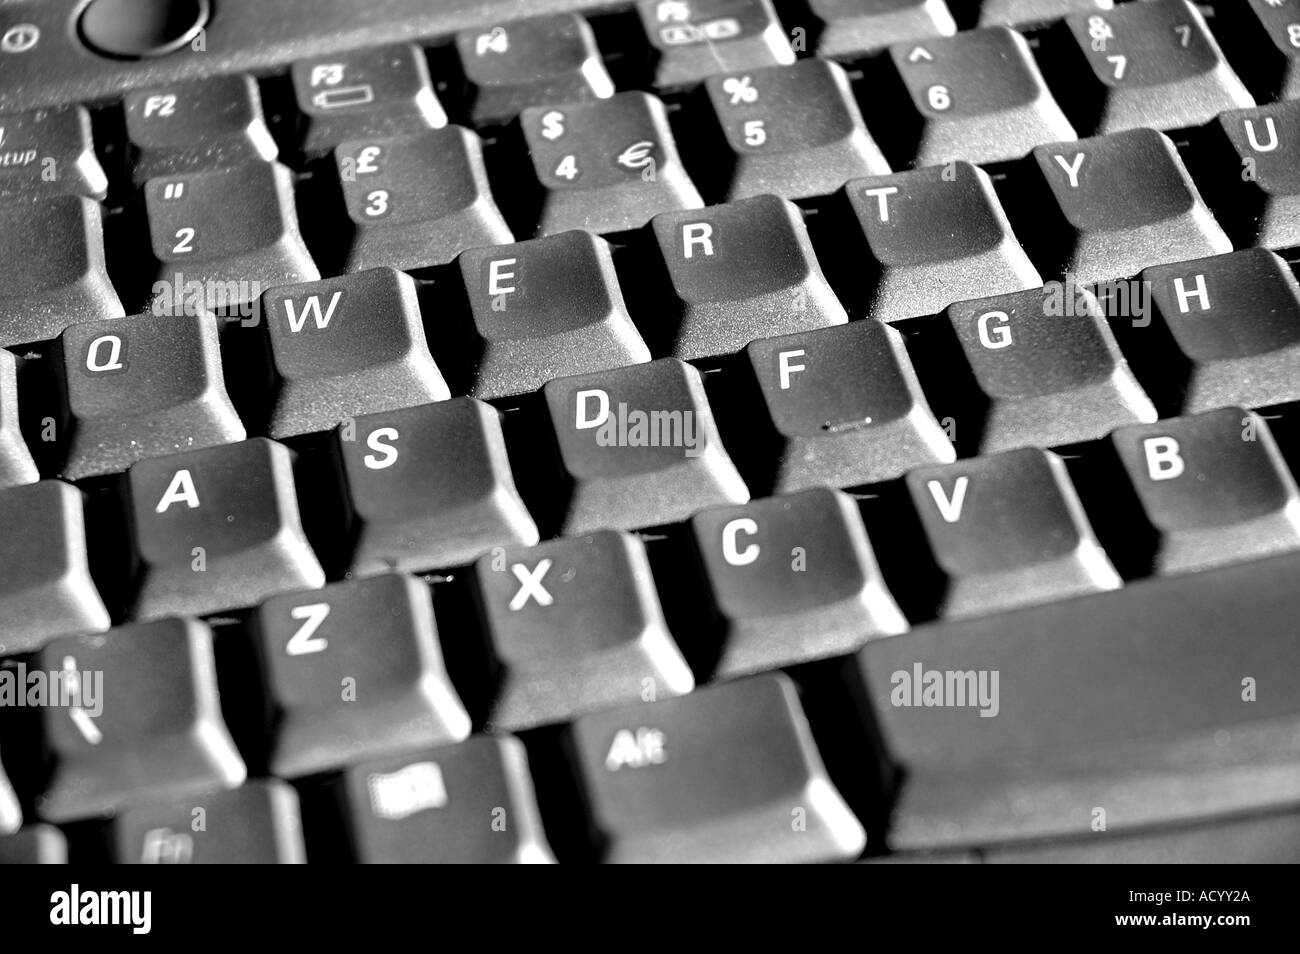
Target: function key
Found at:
697, 38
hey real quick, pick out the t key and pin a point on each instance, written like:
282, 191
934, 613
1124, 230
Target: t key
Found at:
141, 387
792, 578
936, 236
397, 220
529, 62
378, 91
346, 346
741, 271
606, 165
639, 447
575, 625
697, 38
354, 671
47, 152
141, 719
1005, 531
217, 529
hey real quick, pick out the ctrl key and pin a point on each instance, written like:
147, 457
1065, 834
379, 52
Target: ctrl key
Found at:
726, 775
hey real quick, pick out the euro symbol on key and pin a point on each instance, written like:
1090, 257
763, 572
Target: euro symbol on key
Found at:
636, 156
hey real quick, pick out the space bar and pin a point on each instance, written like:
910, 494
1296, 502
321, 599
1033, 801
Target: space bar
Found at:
1170, 700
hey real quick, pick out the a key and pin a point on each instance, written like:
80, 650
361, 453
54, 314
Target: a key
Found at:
1169, 700
471, 803
791, 578
52, 269
543, 309
977, 96
45, 583
257, 823
48, 152
430, 486
1127, 202
1005, 531
845, 407
1267, 45
1230, 330
11, 815
855, 28
142, 387
698, 38
141, 719
1260, 176
934, 236
1047, 367
794, 131
530, 62
346, 346
1152, 64
737, 272
605, 165
575, 625
639, 447
216, 123
234, 232
34, 845
715, 776
1213, 487
217, 529
362, 94
397, 218
16, 464
354, 671
1034, 13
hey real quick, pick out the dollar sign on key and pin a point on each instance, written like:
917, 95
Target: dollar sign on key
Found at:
553, 125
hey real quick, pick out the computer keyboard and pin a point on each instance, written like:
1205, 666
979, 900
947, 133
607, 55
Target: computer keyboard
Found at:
670, 431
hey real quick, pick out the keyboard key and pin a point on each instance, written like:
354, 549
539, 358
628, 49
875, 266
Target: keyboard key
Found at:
1127, 202
142, 387
346, 346
257, 823
216, 123
397, 219
605, 165
977, 96
1034, 13
543, 309
1213, 486
1006, 531
52, 269
1048, 371
229, 229
48, 152
364, 94
639, 447
354, 671
740, 271
698, 38
470, 803
935, 236
715, 776
11, 815
34, 845
16, 465
1122, 707
794, 131
418, 507
145, 721
1151, 64
846, 407
45, 584
792, 578
575, 625
530, 62
1268, 32
217, 529
1260, 179
1234, 325
853, 28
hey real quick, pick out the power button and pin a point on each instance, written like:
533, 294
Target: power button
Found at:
134, 29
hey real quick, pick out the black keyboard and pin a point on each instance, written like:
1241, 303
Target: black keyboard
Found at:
673, 431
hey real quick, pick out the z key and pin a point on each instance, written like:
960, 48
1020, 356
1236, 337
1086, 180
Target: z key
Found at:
697, 38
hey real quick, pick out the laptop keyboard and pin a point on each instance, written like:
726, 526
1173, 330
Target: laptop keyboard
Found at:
674, 431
